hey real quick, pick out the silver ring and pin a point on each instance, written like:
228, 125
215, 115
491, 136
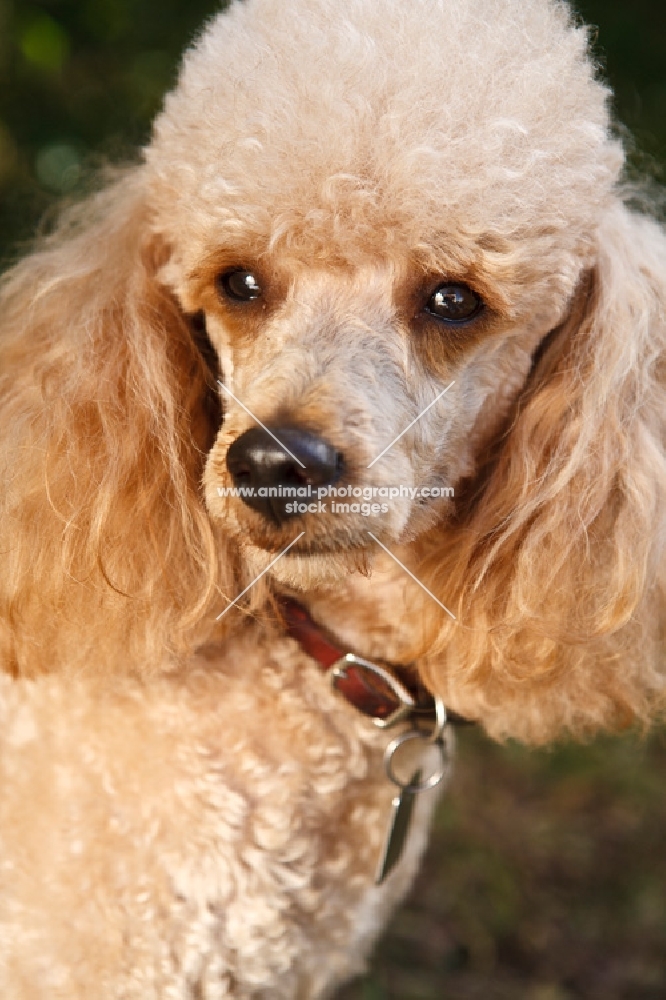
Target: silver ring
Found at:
440, 721
417, 786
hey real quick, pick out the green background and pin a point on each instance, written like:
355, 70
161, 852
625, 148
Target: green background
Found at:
546, 878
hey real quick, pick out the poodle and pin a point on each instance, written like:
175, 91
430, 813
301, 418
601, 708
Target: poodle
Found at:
341, 410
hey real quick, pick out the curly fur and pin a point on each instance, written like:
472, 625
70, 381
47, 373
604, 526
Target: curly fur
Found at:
201, 793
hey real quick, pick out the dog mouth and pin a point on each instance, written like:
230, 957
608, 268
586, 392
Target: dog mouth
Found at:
327, 546
299, 539
296, 493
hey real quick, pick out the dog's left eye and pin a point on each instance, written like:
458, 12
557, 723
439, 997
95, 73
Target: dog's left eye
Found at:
240, 285
454, 303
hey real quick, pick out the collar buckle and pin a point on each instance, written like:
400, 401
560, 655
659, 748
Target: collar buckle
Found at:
372, 690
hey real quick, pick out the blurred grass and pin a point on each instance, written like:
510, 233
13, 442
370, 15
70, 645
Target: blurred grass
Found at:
80, 81
546, 878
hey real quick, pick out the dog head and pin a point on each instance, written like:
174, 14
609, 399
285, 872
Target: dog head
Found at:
365, 217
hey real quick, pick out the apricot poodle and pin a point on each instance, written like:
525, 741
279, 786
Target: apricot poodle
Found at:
366, 357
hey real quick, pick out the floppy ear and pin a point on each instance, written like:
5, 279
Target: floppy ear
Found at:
105, 542
557, 563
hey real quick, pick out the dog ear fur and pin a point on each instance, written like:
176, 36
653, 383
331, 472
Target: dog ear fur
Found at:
556, 561
105, 432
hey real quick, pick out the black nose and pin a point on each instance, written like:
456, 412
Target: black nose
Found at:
271, 471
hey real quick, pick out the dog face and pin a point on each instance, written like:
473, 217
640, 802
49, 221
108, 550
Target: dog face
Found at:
360, 358
352, 258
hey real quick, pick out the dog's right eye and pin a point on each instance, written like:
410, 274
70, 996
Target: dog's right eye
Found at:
454, 304
239, 285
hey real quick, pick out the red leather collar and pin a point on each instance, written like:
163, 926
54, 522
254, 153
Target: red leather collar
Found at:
382, 691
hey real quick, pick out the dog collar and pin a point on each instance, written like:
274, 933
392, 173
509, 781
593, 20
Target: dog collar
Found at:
385, 692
